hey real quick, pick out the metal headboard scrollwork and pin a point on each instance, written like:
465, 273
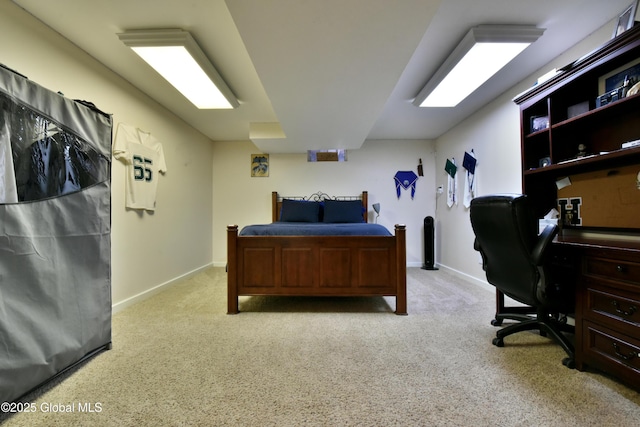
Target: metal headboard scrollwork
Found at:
319, 196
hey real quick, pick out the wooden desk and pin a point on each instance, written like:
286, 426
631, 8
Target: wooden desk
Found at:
607, 318
585, 148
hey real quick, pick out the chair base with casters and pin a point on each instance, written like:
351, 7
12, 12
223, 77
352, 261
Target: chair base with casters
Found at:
553, 325
514, 313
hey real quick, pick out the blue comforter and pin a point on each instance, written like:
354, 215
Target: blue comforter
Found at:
314, 229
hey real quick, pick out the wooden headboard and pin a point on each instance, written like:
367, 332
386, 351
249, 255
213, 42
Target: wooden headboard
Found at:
276, 202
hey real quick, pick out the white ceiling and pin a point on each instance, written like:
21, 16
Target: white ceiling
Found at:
332, 73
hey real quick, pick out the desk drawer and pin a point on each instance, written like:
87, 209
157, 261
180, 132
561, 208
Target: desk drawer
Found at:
611, 307
612, 352
609, 269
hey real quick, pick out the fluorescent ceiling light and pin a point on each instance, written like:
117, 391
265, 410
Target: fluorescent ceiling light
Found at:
481, 53
176, 56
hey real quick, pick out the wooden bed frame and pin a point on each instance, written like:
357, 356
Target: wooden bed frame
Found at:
316, 265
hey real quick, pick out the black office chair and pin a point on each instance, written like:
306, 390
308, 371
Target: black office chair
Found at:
516, 262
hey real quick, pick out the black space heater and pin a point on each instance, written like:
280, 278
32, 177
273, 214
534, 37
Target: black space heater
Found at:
429, 242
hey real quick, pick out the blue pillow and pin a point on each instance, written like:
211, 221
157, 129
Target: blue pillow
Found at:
299, 211
343, 211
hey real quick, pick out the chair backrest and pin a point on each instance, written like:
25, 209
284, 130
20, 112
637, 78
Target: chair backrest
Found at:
506, 232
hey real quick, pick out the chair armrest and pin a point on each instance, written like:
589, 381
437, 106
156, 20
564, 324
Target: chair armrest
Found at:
477, 247
545, 238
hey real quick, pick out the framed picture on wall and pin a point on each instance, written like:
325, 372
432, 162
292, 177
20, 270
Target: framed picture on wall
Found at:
615, 79
259, 165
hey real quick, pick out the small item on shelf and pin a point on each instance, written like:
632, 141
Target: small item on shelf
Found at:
544, 162
579, 158
609, 97
630, 144
582, 150
547, 76
617, 93
539, 123
634, 89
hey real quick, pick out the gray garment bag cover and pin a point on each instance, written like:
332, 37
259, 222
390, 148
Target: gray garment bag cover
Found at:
55, 244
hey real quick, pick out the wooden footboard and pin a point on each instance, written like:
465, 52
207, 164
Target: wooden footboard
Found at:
316, 266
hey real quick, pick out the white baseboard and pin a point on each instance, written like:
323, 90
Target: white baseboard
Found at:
480, 282
156, 289
484, 284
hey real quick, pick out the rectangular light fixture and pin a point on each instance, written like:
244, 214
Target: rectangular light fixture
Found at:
483, 51
176, 56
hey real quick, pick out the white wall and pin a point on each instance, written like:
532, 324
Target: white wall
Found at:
242, 200
494, 134
147, 250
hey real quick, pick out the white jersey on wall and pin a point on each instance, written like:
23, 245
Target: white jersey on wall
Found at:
144, 157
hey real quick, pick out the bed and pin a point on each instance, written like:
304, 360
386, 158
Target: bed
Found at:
305, 259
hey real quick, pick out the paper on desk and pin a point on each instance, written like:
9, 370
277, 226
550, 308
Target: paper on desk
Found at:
564, 182
551, 218
552, 214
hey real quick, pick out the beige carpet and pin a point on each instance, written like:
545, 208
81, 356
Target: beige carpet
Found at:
179, 360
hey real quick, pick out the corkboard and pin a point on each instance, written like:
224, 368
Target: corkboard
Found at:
610, 198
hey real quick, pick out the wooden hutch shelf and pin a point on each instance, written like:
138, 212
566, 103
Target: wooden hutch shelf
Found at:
568, 137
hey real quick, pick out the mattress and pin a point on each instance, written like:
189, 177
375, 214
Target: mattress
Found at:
314, 229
